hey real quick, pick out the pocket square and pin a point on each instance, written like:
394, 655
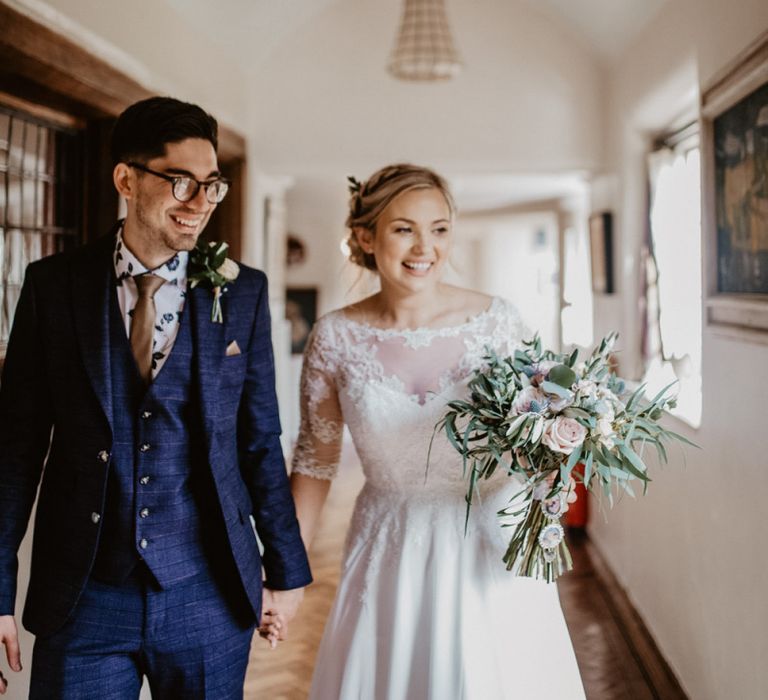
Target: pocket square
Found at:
233, 349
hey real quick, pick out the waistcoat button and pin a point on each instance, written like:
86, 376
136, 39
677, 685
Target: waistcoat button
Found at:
103, 456
144, 480
146, 414
143, 543
95, 517
145, 447
144, 512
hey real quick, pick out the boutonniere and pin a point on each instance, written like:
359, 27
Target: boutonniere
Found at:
209, 263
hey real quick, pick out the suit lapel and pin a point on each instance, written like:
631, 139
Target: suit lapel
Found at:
209, 339
92, 285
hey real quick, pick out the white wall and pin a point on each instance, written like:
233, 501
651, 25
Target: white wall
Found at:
529, 98
690, 553
517, 259
154, 44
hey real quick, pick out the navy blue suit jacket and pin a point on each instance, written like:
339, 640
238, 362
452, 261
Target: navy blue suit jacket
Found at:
56, 409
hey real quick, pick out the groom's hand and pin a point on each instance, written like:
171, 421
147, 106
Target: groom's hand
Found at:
10, 638
279, 608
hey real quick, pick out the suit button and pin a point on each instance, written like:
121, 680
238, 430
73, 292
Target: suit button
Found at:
144, 480
145, 447
143, 543
146, 415
103, 456
144, 512
95, 517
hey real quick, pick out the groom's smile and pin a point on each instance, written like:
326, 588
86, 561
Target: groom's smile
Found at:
158, 225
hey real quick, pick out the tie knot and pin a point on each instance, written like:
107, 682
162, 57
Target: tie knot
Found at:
148, 284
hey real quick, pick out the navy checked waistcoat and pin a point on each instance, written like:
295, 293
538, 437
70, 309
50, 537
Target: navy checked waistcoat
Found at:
57, 409
160, 503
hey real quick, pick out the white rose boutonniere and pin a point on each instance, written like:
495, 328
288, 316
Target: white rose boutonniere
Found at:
209, 263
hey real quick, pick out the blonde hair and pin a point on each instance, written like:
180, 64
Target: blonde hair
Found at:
369, 199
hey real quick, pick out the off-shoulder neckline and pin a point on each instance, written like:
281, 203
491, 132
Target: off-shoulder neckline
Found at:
423, 330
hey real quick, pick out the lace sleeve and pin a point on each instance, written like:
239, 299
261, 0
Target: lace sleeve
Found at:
319, 445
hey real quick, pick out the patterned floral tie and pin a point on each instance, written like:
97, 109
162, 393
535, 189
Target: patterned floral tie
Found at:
143, 323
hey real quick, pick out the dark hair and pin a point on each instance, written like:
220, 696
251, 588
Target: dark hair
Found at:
143, 129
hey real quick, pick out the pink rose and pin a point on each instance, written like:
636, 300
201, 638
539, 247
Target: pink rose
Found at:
564, 435
541, 371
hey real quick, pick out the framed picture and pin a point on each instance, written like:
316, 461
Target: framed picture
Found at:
301, 312
735, 194
601, 252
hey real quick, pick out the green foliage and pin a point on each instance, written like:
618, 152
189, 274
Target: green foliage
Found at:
205, 260
489, 433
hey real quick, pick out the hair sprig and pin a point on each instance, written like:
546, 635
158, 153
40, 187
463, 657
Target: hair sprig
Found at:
355, 186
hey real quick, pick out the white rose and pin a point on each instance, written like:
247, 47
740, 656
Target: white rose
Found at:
522, 403
586, 388
558, 403
605, 431
229, 269
564, 435
610, 399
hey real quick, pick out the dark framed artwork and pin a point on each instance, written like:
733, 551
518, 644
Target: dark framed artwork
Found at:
601, 252
301, 312
735, 194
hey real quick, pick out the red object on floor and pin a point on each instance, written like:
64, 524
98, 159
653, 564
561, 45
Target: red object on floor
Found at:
578, 512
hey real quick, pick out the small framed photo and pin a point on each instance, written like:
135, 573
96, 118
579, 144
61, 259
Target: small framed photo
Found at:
601, 252
301, 312
735, 195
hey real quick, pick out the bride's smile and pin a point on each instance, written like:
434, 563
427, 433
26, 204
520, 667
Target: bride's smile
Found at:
412, 240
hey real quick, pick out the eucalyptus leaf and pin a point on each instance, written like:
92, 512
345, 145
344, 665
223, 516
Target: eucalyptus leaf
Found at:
562, 375
588, 469
552, 388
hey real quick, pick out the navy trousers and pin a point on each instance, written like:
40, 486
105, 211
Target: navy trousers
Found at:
190, 641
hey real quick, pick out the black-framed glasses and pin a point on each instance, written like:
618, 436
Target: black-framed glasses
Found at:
185, 188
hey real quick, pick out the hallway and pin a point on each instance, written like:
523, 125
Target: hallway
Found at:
609, 164
614, 663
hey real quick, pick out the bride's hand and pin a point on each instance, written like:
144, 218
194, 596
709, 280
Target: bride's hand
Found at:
271, 626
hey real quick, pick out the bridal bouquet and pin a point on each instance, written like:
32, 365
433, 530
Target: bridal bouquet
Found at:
538, 414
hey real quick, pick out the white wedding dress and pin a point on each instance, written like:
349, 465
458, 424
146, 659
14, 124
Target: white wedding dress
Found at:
423, 611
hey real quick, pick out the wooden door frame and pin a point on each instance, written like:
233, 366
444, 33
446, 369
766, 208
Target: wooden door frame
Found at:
48, 71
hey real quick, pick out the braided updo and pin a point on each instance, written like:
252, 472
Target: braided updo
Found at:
369, 199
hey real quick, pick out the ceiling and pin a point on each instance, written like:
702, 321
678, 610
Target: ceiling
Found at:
254, 32
477, 193
607, 25
254, 28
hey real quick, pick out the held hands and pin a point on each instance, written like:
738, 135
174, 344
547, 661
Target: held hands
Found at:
10, 638
279, 608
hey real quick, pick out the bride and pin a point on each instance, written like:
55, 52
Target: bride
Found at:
423, 610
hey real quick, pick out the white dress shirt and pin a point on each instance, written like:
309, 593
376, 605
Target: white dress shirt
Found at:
169, 299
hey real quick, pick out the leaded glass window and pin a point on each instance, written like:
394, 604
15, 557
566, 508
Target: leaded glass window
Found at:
40, 200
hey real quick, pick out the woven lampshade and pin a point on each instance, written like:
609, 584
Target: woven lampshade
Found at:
424, 49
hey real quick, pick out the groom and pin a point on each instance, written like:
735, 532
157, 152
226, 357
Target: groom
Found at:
158, 427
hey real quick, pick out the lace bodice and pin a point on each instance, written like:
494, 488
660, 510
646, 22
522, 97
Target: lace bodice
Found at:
390, 387
424, 606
